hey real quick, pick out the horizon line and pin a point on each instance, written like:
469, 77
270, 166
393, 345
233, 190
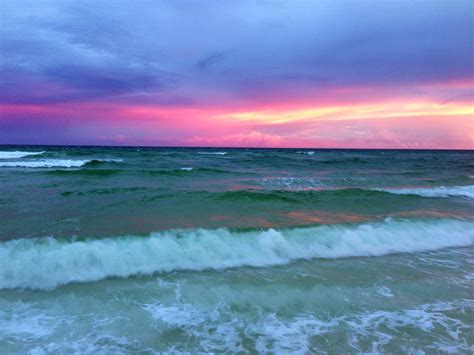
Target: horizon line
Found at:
224, 147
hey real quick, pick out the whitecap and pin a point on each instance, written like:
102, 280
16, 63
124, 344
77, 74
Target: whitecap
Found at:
212, 153
44, 263
439, 191
17, 154
52, 163
290, 183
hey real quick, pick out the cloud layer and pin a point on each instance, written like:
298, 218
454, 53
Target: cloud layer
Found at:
186, 72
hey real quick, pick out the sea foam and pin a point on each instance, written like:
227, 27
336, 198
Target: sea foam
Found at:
53, 163
212, 153
440, 191
45, 263
17, 154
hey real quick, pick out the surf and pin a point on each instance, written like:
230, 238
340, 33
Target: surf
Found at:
439, 191
17, 154
55, 163
46, 263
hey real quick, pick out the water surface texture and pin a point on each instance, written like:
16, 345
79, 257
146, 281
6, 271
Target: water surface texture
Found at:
145, 250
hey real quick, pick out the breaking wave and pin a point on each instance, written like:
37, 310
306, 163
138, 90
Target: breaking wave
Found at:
212, 153
299, 190
45, 263
17, 154
440, 191
55, 163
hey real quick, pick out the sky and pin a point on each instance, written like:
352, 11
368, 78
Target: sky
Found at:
307, 74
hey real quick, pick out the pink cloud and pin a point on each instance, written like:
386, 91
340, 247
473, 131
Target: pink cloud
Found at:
251, 139
351, 118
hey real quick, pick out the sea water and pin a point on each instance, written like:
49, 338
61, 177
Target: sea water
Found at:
144, 250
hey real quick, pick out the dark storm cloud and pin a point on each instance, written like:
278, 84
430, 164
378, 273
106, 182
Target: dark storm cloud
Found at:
178, 50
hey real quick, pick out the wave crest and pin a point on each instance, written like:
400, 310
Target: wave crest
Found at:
45, 263
55, 163
212, 153
17, 154
440, 191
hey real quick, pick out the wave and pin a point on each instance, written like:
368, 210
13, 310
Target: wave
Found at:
183, 171
343, 161
86, 172
256, 195
45, 263
440, 191
104, 191
300, 191
290, 183
17, 154
55, 163
108, 172
100, 161
306, 152
212, 153
301, 195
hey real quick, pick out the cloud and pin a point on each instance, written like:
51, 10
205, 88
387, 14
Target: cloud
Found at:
251, 139
183, 61
244, 48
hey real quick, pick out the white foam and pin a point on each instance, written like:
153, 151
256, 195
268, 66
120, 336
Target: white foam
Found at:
440, 191
384, 291
386, 325
17, 154
24, 322
290, 183
213, 153
52, 163
311, 152
44, 263
221, 330
187, 169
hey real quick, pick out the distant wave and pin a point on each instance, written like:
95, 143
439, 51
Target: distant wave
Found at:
17, 154
183, 171
212, 153
85, 172
104, 191
45, 263
313, 195
186, 171
306, 152
54, 163
342, 161
440, 191
316, 194
100, 161
290, 183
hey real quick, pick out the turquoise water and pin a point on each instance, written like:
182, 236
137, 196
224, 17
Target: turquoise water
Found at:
118, 250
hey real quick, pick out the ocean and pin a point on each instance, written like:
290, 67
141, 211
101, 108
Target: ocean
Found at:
145, 250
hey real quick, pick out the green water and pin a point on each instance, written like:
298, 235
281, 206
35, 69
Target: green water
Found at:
117, 250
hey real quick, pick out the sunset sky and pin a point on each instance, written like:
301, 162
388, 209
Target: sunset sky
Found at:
343, 74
